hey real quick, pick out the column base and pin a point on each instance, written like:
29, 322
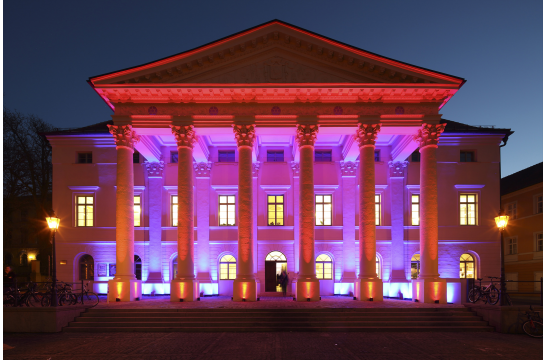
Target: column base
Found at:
184, 289
244, 290
430, 290
124, 290
307, 289
368, 289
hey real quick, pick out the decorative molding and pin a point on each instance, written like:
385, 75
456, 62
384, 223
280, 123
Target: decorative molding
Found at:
397, 168
255, 168
184, 135
155, 168
202, 169
429, 134
367, 134
84, 188
349, 168
468, 187
295, 168
124, 135
244, 134
306, 134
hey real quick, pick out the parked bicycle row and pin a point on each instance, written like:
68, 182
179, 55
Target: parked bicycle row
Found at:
41, 294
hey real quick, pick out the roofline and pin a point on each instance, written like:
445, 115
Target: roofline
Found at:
257, 27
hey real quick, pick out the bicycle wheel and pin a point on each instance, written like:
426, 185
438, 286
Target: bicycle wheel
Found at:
493, 296
474, 295
533, 328
34, 300
9, 300
46, 300
91, 298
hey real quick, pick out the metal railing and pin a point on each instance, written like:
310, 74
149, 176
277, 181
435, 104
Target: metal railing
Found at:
471, 285
30, 293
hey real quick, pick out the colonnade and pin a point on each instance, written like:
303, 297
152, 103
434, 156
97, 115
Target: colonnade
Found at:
429, 287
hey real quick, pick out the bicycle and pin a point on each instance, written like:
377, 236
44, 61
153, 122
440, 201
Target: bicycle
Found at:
534, 325
490, 294
87, 296
64, 295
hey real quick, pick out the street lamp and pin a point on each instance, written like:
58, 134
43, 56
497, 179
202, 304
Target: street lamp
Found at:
501, 223
53, 223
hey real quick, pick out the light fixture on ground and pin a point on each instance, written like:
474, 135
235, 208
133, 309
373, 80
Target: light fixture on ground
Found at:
501, 223
53, 223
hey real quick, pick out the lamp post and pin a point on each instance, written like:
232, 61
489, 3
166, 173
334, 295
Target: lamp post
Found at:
501, 223
53, 223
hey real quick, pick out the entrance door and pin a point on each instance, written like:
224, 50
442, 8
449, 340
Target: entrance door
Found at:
275, 262
270, 275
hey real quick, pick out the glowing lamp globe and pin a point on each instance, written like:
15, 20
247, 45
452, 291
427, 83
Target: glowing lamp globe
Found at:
501, 221
53, 222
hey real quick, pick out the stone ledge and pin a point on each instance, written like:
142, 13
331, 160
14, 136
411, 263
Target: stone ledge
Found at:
40, 319
505, 319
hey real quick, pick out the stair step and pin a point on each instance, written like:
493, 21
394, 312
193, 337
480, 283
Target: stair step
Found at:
270, 319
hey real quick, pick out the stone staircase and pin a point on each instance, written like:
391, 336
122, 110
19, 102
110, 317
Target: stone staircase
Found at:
253, 320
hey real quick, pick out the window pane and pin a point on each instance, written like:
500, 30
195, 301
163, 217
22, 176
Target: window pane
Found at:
270, 198
137, 199
462, 271
280, 199
89, 199
319, 271
223, 199
463, 198
89, 222
175, 199
471, 198
232, 271
470, 271
81, 200
327, 198
231, 199
319, 199
415, 198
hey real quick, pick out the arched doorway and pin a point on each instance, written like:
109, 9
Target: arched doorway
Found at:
137, 267
275, 262
87, 268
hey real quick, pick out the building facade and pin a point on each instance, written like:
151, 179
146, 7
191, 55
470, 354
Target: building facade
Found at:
522, 200
277, 149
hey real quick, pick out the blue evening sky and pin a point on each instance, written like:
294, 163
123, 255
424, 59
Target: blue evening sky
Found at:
52, 47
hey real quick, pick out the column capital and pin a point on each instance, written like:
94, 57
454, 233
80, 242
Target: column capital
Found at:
396, 168
295, 167
155, 169
202, 169
255, 168
124, 135
185, 135
429, 134
349, 168
244, 134
367, 134
306, 134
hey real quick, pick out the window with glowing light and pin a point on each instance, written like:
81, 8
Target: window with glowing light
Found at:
228, 267
174, 210
415, 210
324, 267
511, 210
378, 267
539, 242
137, 210
275, 210
323, 210
377, 209
227, 210
512, 246
84, 210
468, 209
467, 267
415, 266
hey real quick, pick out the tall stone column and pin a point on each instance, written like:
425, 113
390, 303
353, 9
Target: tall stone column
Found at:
308, 286
398, 278
202, 176
348, 172
185, 287
368, 286
155, 191
429, 287
244, 286
295, 169
124, 286
255, 174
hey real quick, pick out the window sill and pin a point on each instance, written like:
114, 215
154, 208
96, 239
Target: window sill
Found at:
281, 227
230, 227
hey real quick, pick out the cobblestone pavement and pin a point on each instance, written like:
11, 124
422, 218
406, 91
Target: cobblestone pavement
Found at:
297, 345
224, 302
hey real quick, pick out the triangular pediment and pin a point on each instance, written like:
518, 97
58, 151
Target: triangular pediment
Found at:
275, 52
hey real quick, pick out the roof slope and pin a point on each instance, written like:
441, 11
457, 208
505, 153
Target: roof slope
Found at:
522, 179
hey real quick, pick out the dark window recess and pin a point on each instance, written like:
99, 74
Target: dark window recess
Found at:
226, 155
174, 157
136, 157
322, 156
415, 156
467, 156
137, 267
275, 155
377, 155
85, 158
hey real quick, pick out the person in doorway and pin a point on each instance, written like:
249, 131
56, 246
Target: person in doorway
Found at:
284, 279
9, 278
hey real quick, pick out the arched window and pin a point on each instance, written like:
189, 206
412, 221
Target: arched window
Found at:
415, 266
86, 268
467, 267
275, 256
228, 267
24, 259
174, 268
324, 267
138, 267
378, 267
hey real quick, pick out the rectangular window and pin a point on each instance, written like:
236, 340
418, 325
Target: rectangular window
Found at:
275, 155
228, 271
322, 155
415, 156
137, 210
377, 155
324, 270
84, 210
173, 157
467, 156
468, 209
512, 246
136, 157
540, 204
512, 211
323, 210
539, 242
275, 210
377, 210
174, 210
415, 210
226, 155
85, 158
227, 210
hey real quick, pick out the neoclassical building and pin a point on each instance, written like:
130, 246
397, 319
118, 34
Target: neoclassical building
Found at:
277, 149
